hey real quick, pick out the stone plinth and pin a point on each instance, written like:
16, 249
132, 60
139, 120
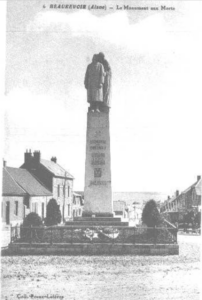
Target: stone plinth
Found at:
98, 192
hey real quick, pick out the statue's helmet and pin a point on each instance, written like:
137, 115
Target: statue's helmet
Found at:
101, 55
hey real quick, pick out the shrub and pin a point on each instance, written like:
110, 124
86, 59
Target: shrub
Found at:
53, 214
32, 219
35, 234
150, 215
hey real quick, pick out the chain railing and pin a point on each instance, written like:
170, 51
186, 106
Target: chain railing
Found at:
93, 234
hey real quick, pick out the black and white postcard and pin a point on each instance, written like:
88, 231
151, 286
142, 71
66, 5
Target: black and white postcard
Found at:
101, 144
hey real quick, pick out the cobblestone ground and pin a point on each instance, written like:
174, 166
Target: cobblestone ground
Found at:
128, 277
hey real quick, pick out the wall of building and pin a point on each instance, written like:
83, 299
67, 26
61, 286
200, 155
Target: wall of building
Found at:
38, 205
16, 213
63, 193
77, 206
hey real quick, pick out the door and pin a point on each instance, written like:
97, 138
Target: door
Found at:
7, 213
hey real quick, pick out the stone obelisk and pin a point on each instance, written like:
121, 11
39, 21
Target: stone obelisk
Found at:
97, 191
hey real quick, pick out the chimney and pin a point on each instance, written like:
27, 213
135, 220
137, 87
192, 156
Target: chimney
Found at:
54, 159
198, 177
4, 163
37, 157
28, 158
177, 193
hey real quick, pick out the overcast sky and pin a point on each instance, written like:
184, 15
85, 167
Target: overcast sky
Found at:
156, 140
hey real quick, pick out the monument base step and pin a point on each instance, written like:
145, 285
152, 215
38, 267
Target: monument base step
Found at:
100, 219
90, 214
96, 223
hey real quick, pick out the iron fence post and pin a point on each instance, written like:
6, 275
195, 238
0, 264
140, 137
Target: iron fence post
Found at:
134, 235
51, 239
30, 234
71, 234
154, 232
11, 240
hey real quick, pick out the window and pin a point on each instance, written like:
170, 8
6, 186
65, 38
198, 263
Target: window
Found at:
74, 199
35, 207
2, 208
42, 211
68, 190
58, 190
16, 208
68, 210
26, 201
64, 187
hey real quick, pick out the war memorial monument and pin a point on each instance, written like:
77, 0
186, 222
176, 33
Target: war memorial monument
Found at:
97, 231
98, 192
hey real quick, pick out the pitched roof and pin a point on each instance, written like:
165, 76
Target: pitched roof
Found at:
28, 182
10, 187
198, 187
55, 169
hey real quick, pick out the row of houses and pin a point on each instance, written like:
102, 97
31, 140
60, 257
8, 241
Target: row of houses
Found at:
30, 187
188, 200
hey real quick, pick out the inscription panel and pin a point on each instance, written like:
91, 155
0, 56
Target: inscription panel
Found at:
99, 182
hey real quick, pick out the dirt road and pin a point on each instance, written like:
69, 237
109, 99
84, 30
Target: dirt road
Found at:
128, 277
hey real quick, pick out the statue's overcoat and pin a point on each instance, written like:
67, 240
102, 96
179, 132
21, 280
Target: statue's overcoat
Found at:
94, 80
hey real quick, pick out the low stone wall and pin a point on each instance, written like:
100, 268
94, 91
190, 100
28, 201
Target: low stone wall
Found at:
92, 249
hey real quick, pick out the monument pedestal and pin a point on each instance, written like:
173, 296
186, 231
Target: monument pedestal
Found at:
98, 192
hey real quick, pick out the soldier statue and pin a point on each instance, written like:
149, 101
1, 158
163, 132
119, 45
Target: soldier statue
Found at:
98, 83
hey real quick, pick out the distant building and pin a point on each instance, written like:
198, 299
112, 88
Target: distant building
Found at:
120, 209
140, 198
188, 200
55, 178
22, 194
135, 214
78, 203
135, 202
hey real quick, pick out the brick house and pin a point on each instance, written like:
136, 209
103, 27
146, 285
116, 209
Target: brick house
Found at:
22, 194
55, 178
186, 201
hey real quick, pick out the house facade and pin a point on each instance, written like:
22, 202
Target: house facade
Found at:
22, 194
78, 203
55, 178
12, 205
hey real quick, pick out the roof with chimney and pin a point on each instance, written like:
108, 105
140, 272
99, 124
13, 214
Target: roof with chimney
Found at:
25, 181
32, 160
10, 186
197, 185
55, 168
